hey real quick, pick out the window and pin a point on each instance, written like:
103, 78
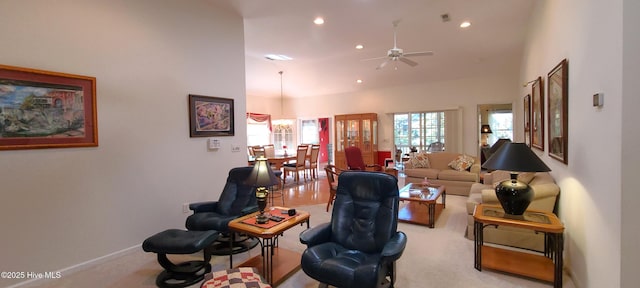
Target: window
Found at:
309, 131
501, 123
283, 135
418, 130
257, 133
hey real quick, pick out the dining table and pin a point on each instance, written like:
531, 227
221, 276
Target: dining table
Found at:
277, 161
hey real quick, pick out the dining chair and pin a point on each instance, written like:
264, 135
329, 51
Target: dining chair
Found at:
269, 151
258, 151
299, 165
312, 162
332, 178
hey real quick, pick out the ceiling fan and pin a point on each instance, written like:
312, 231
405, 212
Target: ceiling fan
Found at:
397, 54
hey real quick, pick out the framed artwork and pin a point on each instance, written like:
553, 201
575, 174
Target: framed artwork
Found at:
210, 116
558, 91
537, 115
527, 120
44, 109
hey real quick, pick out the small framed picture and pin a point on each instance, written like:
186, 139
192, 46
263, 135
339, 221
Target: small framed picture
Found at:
537, 115
210, 116
558, 111
527, 120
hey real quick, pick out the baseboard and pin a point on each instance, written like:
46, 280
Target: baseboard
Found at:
82, 266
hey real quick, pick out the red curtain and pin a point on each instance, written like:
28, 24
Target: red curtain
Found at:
260, 118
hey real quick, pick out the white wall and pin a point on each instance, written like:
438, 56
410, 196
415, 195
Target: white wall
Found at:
61, 207
589, 35
630, 144
494, 87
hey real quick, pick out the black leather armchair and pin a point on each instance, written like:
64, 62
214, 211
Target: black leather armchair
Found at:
360, 245
236, 199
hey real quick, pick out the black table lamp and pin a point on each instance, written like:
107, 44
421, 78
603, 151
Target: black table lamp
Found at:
262, 177
515, 196
484, 130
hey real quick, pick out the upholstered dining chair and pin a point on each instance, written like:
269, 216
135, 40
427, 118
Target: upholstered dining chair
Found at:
312, 162
354, 159
332, 178
258, 151
360, 245
299, 165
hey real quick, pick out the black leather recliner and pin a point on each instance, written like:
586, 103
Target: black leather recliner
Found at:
236, 199
360, 245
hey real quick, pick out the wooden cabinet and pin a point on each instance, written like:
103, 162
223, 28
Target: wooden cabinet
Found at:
360, 130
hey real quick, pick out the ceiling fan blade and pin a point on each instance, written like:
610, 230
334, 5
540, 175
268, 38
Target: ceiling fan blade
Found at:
408, 62
375, 58
423, 53
382, 65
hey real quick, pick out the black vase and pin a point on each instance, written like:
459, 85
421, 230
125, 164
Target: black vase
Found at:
514, 196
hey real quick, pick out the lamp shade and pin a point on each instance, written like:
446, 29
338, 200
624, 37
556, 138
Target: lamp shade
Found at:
515, 157
262, 175
515, 196
485, 129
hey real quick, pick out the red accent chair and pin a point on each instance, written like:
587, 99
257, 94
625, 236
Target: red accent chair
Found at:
355, 161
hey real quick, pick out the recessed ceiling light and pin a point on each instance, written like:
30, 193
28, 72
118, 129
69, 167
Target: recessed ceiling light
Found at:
465, 24
318, 21
359, 46
279, 57
359, 81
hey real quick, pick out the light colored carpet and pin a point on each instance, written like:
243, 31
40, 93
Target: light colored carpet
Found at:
440, 257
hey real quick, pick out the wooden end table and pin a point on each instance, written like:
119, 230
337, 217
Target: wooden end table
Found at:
428, 195
287, 261
547, 267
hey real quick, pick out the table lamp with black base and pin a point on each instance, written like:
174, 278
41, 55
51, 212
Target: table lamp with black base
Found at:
515, 196
262, 177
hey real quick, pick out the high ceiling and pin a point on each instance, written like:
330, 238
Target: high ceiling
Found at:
325, 60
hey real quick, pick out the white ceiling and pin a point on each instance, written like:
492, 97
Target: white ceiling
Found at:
325, 60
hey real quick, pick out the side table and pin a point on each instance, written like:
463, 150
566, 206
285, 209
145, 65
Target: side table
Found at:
547, 267
287, 261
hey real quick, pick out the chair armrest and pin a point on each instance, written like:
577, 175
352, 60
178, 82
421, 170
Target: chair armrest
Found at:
208, 206
394, 248
316, 235
248, 210
489, 197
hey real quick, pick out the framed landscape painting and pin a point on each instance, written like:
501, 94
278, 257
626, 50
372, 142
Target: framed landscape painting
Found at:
210, 116
527, 120
43, 109
537, 115
558, 110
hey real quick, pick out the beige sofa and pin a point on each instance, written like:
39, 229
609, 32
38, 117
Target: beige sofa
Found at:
545, 194
439, 172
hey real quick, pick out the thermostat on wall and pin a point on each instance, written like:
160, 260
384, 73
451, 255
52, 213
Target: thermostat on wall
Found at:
214, 143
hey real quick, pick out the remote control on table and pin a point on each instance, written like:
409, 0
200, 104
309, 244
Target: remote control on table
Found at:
276, 218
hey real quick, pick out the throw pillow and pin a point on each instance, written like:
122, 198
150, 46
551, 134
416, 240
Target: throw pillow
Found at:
419, 160
462, 162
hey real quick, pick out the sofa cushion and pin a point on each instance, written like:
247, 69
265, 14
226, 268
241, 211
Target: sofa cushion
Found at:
422, 172
462, 162
419, 160
454, 175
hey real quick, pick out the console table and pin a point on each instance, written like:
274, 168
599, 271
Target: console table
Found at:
547, 267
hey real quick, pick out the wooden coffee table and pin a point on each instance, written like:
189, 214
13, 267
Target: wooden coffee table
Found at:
425, 199
287, 261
